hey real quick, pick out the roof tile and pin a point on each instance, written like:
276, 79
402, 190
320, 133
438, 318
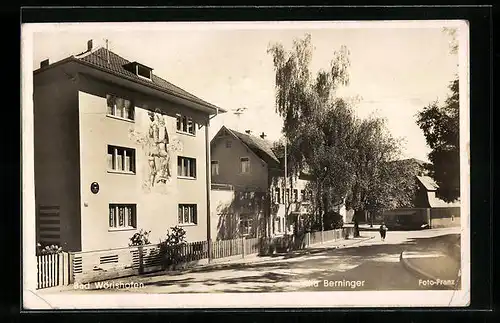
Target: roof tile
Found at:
99, 58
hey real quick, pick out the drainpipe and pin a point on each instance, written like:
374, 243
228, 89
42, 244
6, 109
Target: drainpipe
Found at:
208, 172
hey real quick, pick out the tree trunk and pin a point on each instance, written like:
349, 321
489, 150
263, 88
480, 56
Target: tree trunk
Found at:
357, 214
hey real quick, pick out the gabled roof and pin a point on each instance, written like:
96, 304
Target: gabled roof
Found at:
431, 187
436, 202
98, 59
261, 147
428, 183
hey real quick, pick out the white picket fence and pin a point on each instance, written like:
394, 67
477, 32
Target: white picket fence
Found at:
53, 270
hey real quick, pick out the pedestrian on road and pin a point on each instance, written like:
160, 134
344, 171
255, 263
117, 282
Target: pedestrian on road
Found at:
383, 231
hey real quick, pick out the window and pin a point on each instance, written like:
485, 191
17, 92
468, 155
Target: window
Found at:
185, 124
143, 71
186, 167
119, 107
288, 195
302, 195
121, 159
277, 197
295, 195
228, 143
122, 216
188, 214
245, 165
215, 167
246, 221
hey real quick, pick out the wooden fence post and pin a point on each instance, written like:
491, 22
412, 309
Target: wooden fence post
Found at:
71, 274
63, 269
243, 246
141, 259
210, 249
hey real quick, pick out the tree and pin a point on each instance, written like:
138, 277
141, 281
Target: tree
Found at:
317, 126
380, 181
441, 125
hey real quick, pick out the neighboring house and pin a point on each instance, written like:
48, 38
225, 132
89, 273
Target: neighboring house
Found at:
117, 149
256, 176
428, 208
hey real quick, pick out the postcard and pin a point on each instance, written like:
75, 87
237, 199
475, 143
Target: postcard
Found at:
245, 164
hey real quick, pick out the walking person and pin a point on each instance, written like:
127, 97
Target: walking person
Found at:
383, 231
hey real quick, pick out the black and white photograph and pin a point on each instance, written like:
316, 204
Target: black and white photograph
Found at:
245, 164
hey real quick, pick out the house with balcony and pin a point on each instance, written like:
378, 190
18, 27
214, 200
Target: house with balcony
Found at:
117, 149
261, 200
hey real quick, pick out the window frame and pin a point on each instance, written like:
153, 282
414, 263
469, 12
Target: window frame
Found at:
114, 114
182, 124
214, 162
241, 165
182, 159
129, 220
192, 216
248, 219
114, 159
137, 66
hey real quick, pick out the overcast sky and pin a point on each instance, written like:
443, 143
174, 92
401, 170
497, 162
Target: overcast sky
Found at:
396, 71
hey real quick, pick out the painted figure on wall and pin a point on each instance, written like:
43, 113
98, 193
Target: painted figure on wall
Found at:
158, 155
158, 147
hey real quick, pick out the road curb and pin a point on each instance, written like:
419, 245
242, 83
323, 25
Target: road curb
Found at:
414, 269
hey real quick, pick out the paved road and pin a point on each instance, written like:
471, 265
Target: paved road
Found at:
371, 265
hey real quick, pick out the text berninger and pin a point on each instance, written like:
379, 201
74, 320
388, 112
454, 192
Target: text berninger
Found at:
108, 285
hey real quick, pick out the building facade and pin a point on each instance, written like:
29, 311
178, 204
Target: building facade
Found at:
248, 164
117, 150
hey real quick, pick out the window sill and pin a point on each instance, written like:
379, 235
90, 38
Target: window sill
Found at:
188, 224
111, 171
121, 229
120, 118
185, 133
186, 177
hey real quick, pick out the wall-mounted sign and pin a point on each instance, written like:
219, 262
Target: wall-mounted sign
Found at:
94, 187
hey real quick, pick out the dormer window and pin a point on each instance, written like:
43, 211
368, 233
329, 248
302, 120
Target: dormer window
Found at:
143, 71
140, 70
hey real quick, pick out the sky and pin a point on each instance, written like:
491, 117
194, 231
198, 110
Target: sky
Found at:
396, 70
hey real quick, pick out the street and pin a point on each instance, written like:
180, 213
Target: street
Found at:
369, 265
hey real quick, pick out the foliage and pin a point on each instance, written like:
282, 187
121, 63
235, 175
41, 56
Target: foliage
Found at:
140, 238
47, 249
440, 125
381, 180
170, 248
333, 220
347, 157
317, 126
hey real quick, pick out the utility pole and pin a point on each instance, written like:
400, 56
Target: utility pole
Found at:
286, 188
324, 208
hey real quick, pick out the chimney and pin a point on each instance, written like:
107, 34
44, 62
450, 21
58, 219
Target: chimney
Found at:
44, 63
89, 45
248, 131
263, 135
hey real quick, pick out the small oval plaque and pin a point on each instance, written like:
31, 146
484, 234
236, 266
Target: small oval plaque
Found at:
94, 187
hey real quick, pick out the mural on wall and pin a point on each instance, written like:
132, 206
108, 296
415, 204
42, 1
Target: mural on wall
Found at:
159, 149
